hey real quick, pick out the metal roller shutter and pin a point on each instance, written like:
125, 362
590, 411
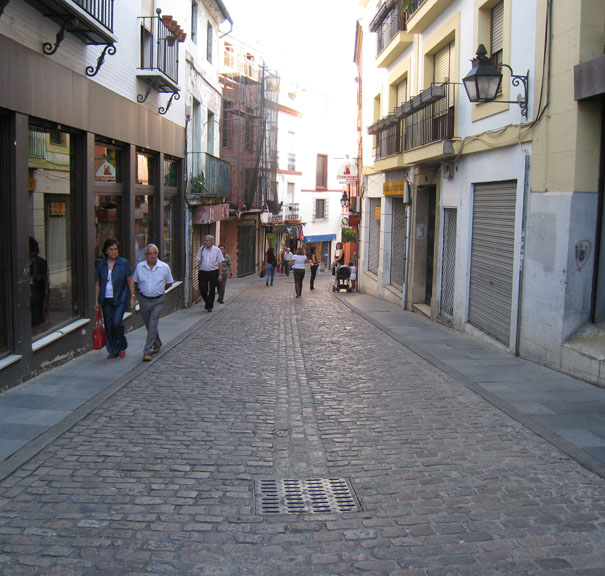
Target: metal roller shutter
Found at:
492, 255
448, 264
398, 232
374, 239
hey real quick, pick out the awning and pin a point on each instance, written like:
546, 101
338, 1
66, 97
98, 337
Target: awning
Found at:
320, 238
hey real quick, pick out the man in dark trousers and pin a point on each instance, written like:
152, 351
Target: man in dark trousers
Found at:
210, 272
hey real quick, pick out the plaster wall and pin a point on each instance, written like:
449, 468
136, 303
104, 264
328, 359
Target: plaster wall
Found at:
27, 26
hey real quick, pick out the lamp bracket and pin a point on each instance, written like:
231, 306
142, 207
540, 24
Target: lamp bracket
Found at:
517, 79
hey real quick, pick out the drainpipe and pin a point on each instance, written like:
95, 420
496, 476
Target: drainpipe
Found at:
524, 216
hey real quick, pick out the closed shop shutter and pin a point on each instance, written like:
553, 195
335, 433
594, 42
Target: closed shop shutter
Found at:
398, 232
492, 255
374, 241
448, 264
245, 248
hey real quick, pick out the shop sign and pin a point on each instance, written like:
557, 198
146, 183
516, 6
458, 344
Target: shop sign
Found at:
347, 173
401, 188
211, 213
106, 172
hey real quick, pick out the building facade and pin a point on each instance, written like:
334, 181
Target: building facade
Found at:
485, 216
92, 145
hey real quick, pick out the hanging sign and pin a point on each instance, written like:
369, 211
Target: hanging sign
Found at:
347, 173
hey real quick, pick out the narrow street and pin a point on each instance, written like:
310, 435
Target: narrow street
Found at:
182, 471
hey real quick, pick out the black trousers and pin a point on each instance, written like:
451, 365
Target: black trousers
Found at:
207, 281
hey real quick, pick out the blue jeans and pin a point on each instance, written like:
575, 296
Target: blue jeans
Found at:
115, 341
269, 272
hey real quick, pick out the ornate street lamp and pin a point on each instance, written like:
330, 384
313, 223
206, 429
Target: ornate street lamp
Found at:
483, 82
344, 200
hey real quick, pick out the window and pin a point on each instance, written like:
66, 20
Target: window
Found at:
169, 227
249, 130
194, 22
321, 173
143, 200
170, 172
144, 169
54, 298
320, 209
108, 216
107, 164
209, 42
229, 56
497, 34
210, 133
4, 232
227, 124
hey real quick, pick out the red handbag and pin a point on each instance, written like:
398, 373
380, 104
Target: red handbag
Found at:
98, 332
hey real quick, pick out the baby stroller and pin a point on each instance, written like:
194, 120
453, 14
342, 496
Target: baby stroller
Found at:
342, 282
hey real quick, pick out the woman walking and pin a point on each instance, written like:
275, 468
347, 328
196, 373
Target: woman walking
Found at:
297, 264
115, 289
270, 263
314, 266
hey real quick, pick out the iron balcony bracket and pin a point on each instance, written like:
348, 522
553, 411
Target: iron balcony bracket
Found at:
141, 98
91, 70
48, 48
175, 96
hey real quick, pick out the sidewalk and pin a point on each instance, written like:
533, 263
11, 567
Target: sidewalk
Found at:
567, 412
39, 410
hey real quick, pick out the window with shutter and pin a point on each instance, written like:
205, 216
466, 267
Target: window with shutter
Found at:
497, 33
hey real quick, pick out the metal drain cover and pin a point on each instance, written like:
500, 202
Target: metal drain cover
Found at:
313, 496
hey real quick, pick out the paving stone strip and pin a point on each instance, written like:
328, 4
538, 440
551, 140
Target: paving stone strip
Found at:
159, 478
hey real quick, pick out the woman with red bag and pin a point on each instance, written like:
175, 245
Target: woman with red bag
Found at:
115, 289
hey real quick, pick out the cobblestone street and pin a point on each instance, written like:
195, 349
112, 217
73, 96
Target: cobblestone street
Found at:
163, 477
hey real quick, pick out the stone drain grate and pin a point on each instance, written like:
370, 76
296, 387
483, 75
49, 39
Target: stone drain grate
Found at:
313, 496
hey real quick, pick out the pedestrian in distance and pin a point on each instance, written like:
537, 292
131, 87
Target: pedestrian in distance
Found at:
270, 264
114, 290
353, 276
297, 263
210, 274
226, 271
39, 287
314, 266
287, 256
151, 278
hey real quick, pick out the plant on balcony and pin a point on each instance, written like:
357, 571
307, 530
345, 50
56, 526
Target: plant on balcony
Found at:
197, 184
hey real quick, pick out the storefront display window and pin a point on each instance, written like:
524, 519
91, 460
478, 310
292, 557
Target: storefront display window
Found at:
168, 231
107, 164
170, 173
107, 219
143, 209
144, 169
52, 277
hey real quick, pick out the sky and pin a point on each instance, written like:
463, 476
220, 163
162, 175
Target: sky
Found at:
311, 39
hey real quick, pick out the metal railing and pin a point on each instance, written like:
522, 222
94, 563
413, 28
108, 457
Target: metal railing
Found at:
393, 22
209, 175
413, 7
291, 161
100, 10
162, 52
388, 141
433, 123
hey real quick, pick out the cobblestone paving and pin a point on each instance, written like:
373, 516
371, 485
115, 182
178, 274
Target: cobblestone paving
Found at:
159, 478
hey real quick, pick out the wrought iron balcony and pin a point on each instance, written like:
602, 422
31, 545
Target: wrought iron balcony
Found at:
91, 21
208, 175
160, 38
425, 118
413, 7
388, 21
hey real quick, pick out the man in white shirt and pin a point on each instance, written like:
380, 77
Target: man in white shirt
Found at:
287, 256
210, 271
151, 278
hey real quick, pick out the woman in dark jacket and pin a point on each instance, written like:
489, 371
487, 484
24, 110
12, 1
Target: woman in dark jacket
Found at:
270, 264
115, 290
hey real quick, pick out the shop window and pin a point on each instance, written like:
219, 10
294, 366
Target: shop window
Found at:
170, 173
144, 169
169, 226
4, 233
107, 164
107, 220
143, 210
52, 272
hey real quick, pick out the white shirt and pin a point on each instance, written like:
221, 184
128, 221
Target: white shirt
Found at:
209, 258
299, 261
152, 283
287, 256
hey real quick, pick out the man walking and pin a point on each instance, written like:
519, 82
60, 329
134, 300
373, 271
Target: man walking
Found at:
226, 271
151, 278
286, 258
210, 274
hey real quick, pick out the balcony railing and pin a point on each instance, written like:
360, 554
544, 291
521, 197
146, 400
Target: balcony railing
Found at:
291, 161
208, 175
433, 123
425, 118
160, 51
387, 22
289, 212
100, 10
413, 7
